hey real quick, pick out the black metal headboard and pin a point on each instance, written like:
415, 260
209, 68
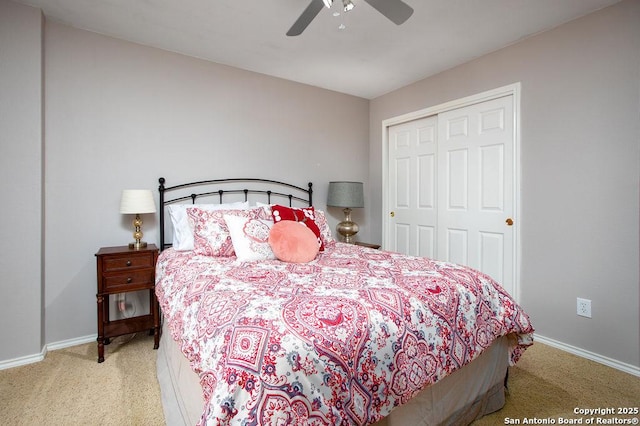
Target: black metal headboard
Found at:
271, 191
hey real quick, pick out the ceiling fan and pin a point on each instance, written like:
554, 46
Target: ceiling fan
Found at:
395, 10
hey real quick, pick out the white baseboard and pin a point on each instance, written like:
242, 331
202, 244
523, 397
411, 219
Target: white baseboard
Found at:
30, 359
72, 342
627, 368
23, 360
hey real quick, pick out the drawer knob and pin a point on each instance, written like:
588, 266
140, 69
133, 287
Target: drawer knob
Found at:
129, 279
128, 263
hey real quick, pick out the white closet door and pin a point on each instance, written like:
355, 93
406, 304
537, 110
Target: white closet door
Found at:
451, 186
475, 189
412, 189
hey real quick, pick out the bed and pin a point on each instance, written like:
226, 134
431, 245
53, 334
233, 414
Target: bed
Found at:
355, 336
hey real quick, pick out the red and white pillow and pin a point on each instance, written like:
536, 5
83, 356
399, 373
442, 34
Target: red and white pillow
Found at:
305, 215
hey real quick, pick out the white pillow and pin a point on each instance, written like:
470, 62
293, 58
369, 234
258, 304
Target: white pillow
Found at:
183, 231
250, 237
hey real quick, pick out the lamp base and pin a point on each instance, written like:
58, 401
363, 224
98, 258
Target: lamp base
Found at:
137, 245
347, 228
137, 235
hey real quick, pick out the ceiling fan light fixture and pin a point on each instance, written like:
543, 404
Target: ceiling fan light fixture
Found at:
348, 5
397, 11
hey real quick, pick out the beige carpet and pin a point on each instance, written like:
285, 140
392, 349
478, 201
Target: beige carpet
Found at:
550, 383
70, 388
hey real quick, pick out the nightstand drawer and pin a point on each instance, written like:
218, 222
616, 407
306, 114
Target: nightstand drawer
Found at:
118, 263
129, 282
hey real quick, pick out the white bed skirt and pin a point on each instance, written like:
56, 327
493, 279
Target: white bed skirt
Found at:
467, 394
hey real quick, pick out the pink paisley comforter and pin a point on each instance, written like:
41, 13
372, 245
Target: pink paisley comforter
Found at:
341, 340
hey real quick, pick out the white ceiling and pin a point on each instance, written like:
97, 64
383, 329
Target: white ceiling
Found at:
370, 57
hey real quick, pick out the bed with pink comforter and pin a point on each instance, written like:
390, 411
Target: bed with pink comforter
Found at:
343, 339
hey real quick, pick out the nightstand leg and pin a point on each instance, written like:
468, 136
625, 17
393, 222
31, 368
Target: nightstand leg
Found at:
156, 319
101, 339
100, 350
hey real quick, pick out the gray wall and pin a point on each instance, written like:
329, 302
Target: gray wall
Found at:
580, 166
21, 290
119, 115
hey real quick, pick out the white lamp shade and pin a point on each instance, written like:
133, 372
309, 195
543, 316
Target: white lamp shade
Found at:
136, 201
345, 194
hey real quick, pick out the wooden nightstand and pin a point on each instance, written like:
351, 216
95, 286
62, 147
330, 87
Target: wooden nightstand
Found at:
373, 246
122, 270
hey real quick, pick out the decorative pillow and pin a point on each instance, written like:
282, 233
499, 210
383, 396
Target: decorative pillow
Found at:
293, 242
210, 232
325, 229
263, 212
250, 237
183, 230
304, 215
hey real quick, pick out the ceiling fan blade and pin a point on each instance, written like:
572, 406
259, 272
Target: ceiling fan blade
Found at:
396, 10
305, 19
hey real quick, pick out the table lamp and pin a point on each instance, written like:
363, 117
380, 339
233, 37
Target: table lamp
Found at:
348, 195
137, 201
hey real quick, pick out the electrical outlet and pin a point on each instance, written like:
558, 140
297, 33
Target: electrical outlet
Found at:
584, 307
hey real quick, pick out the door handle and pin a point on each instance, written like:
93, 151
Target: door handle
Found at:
509, 221
392, 214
